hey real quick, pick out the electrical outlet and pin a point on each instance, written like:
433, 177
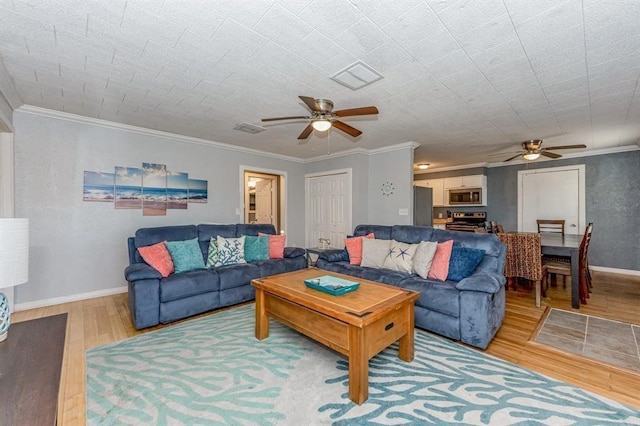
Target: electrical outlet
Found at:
403, 212
238, 211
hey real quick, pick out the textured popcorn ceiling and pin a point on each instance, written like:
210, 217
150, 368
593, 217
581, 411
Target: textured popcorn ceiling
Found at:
464, 79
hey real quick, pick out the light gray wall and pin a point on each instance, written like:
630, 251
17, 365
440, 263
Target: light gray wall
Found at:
395, 167
80, 247
612, 188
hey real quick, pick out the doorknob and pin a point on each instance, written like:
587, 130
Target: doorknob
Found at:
573, 225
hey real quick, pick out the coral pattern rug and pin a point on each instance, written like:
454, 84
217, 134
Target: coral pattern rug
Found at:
213, 371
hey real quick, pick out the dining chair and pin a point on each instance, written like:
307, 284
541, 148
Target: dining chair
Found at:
524, 260
551, 225
564, 269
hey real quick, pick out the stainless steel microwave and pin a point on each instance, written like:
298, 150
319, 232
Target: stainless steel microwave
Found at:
465, 196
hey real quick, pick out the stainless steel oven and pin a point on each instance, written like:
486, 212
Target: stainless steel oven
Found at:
465, 196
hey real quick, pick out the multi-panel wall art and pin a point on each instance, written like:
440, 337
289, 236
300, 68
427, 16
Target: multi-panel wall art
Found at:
152, 188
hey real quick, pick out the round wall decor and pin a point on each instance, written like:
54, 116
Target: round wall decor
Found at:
387, 188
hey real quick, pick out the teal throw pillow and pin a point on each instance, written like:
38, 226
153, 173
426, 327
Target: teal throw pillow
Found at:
186, 255
230, 251
463, 261
212, 256
256, 248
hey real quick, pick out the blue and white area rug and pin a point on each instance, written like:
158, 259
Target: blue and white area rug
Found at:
213, 371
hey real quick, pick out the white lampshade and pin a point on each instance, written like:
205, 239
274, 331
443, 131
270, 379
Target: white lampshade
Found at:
14, 251
321, 125
531, 156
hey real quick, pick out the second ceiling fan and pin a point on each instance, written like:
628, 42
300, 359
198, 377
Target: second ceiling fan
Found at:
323, 117
532, 149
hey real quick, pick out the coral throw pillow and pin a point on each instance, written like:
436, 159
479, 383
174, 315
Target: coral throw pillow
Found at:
354, 248
158, 257
276, 245
440, 264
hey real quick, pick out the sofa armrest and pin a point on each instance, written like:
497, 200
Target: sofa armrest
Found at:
484, 281
334, 255
140, 271
292, 252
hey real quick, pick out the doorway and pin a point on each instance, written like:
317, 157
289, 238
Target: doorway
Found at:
262, 200
328, 207
552, 193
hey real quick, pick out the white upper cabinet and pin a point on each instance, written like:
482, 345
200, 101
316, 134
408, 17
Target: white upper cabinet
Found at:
472, 181
438, 190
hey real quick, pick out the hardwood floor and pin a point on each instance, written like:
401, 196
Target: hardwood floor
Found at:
103, 320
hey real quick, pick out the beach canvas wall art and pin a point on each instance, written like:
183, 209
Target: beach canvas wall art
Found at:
177, 190
128, 187
154, 189
198, 191
98, 186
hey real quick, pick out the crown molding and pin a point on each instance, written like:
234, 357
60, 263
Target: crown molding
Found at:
364, 151
43, 112
448, 168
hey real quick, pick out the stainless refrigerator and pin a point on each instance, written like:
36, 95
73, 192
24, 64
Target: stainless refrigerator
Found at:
422, 206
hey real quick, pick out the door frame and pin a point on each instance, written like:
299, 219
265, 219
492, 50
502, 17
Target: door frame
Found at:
282, 193
307, 209
582, 216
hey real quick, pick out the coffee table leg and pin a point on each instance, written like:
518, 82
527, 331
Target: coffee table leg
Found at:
262, 321
358, 366
406, 342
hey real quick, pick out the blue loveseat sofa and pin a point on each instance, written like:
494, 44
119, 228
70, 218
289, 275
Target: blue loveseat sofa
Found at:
470, 310
154, 299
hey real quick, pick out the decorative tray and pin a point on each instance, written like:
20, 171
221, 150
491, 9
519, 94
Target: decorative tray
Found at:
332, 285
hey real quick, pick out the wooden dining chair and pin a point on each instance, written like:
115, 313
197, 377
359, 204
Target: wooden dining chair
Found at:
564, 269
524, 260
551, 225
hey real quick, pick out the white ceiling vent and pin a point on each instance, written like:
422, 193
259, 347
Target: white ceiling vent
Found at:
357, 75
249, 128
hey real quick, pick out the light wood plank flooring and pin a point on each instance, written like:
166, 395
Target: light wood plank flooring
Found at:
103, 320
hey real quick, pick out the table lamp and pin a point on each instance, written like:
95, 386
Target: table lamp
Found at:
14, 263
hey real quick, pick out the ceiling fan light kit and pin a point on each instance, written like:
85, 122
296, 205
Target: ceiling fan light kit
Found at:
531, 156
532, 150
323, 117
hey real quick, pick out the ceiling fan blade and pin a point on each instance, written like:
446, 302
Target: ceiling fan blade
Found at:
512, 158
294, 117
346, 128
567, 147
306, 132
550, 154
311, 103
356, 111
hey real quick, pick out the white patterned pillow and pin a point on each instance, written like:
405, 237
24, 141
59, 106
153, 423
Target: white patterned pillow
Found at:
400, 257
424, 257
374, 252
212, 254
230, 251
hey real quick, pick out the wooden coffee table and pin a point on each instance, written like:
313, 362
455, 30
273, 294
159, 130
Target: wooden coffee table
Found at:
359, 324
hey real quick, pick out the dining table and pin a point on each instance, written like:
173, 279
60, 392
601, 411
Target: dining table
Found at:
567, 245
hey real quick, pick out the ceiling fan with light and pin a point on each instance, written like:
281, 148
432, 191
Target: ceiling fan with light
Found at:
323, 117
532, 150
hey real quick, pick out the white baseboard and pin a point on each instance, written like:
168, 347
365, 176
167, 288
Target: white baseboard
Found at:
68, 299
615, 270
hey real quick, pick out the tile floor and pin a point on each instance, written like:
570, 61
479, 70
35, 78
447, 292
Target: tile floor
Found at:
613, 342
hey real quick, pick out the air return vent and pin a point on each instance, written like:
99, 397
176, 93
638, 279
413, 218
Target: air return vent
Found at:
357, 76
249, 128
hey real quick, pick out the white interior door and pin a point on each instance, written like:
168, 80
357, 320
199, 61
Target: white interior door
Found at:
264, 207
328, 209
553, 193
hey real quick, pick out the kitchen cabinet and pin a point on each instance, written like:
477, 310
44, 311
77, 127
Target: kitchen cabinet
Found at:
438, 190
471, 181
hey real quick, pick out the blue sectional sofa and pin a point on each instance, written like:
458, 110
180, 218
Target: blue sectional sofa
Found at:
470, 310
154, 299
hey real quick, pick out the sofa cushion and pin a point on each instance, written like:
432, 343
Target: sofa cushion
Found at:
487, 242
423, 258
254, 229
207, 231
385, 276
381, 232
158, 257
191, 283
186, 255
256, 248
439, 296
374, 252
230, 251
463, 261
239, 274
440, 264
400, 257
411, 234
